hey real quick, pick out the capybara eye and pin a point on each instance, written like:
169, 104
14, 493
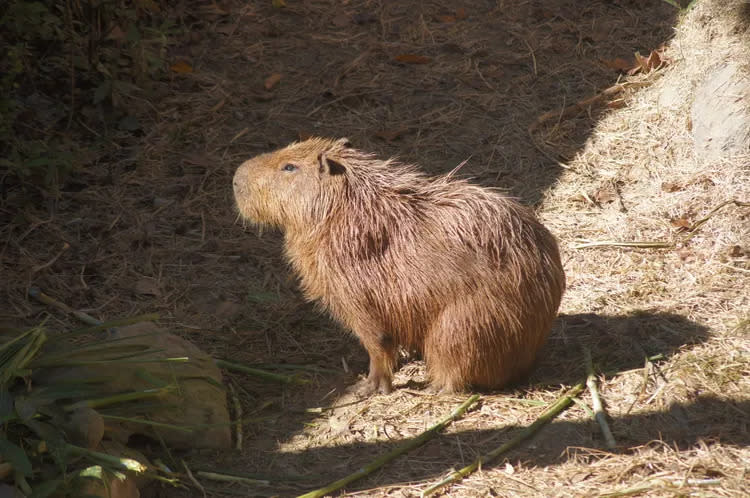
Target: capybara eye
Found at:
289, 167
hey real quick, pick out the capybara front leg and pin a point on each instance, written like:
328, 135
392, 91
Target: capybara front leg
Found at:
383, 353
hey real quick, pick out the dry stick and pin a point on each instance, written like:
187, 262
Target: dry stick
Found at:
661, 485
667, 245
550, 413
582, 104
599, 415
238, 416
384, 459
614, 243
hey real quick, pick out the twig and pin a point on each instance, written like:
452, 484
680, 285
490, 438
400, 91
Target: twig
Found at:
550, 413
237, 415
384, 459
230, 478
193, 479
661, 484
49, 263
583, 104
666, 245
599, 415
615, 243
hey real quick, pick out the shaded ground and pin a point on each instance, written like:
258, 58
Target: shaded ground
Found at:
151, 227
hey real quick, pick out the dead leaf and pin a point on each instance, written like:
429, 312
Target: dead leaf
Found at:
147, 287
461, 14
272, 81
391, 135
672, 187
682, 223
446, 19
736, 252
605, 194
618, 64
181, 67
647, 64
116, 33
703, 180
413, 59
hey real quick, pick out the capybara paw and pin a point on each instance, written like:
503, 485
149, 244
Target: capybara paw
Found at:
374, 385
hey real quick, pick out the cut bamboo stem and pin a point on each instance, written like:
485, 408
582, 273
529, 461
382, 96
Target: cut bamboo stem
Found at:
285, 379
599, 414
384, 459
548, 415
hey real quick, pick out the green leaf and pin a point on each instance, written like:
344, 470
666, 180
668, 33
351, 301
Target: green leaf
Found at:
16, 456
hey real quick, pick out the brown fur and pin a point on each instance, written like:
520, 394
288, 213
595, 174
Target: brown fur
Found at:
462, 274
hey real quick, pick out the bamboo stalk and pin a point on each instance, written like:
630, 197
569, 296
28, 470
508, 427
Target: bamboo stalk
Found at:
599, 414
119, 463
230, 478
548, 415
285, 379
386, 458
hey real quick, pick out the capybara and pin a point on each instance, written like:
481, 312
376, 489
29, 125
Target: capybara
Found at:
460, 273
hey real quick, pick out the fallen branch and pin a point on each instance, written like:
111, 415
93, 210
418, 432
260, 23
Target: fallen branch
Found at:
549, 414
599, 415
665, 245
581, 105
237, 415
384, 459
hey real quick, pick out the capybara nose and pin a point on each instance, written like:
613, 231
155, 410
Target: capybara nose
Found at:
239, 181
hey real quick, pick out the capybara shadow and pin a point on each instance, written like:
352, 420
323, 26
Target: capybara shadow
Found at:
616, 342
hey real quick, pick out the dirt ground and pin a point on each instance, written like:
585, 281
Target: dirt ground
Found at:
150, 226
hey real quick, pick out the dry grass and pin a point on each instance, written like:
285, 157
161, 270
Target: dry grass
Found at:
154, 230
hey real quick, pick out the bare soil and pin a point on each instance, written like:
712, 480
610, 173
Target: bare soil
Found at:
151, 226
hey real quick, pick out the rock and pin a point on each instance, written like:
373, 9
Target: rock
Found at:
85, 427
721, 112
198, 401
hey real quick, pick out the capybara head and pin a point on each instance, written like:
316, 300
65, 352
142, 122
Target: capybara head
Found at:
292, 186
463, 275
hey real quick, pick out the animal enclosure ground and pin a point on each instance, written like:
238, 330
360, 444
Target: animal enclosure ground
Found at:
149, 225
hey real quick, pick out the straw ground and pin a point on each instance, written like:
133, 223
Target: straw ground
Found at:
150, 227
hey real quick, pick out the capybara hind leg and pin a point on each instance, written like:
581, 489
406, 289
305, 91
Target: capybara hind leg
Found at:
463, 352
383, 354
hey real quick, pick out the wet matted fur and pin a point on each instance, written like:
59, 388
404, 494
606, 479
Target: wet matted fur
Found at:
464, 275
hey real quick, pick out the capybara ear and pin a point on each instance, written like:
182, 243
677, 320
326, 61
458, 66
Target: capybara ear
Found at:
326, 165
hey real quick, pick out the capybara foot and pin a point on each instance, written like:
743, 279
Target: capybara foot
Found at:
374, 384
